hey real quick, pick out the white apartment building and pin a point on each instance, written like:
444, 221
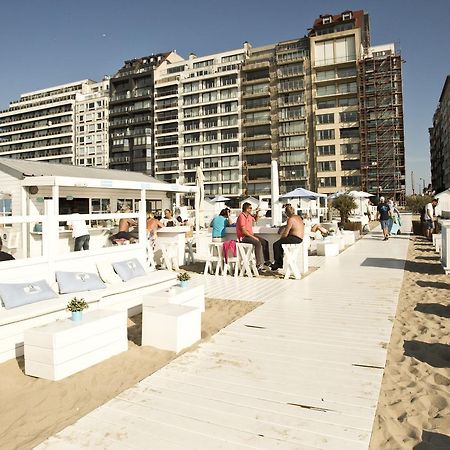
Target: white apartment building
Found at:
91, 125
65, 124
197, 121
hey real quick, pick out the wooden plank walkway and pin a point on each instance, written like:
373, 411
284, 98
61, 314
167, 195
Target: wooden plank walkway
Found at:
302, 371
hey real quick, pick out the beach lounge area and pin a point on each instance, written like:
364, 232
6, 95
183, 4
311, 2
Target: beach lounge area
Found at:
300, 368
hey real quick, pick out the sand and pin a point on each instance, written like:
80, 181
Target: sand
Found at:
33, 409
414, 406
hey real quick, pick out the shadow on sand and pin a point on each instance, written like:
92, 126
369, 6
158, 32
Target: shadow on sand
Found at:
434, 284
434, 308
433, 441
436, 355
410, 266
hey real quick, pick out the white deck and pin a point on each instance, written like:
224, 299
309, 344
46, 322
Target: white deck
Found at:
302, 371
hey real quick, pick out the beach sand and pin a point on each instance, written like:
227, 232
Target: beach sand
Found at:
414, 406
33, 409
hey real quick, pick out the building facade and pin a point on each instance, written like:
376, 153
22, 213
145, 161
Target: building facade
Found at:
131, 113
91, 125
440, 142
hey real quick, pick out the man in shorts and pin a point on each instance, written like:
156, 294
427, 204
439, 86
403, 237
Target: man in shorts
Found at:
383, 215
429, 217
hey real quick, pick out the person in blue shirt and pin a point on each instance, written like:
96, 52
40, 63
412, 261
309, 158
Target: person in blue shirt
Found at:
384, 214
219, 223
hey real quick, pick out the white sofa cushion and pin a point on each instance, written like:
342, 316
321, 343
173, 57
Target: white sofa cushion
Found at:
128, 269
71, 282
19, 294
107, 274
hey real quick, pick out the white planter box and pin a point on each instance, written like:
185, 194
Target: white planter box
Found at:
62, 348
327, 248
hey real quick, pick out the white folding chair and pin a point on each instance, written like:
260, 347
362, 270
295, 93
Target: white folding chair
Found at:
215, 257
169, 252
291, 259
247, 260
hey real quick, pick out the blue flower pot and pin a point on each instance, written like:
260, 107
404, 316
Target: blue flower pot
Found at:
77, 316
183, 284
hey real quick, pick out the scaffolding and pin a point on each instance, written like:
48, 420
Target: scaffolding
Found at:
381, 125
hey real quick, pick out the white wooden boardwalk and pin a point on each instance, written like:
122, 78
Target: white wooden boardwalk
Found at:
302, 371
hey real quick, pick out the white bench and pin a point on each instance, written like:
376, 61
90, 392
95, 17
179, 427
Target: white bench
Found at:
121, 296
62, 348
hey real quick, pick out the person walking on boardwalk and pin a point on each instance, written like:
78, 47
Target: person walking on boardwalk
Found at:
383, 215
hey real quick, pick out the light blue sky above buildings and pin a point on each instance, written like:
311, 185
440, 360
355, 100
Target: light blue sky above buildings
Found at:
51, 42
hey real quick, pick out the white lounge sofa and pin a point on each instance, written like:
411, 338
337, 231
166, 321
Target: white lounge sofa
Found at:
118, 296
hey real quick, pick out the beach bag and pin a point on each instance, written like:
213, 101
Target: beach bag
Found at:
395, 228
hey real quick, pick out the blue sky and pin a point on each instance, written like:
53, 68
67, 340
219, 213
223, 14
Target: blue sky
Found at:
50, 42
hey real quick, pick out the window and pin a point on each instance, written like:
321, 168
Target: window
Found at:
352, 164
347, 88
207, 63
349, 132
293, 142
349, 101
325, 75
293, 127
324, 150
325, 134
347, 16
349, 116
328, 89
351, 181
325, 118
323, 104
124, 203
6, 209
349, 149
327, 19
327, 182
292, 157
326, 166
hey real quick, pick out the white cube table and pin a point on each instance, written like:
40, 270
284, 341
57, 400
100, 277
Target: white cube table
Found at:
340, 240
349, 237
327, 248
62, 348
190, 296
171, 327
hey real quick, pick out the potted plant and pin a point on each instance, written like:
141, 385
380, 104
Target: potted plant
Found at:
344, 204
76, 307
183, 278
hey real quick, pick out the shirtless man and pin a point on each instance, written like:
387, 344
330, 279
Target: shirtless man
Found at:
292, 233
124, 228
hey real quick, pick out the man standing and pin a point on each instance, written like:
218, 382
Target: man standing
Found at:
79, 232
244, 231
292, 233
429, 217
383, 215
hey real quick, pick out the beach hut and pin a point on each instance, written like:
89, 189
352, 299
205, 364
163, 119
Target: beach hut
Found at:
43, 192
443, 206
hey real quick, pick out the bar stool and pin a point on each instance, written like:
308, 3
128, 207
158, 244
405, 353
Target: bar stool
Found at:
231, 264
292, 255
189, 251
215, 256
247, 260
170, 255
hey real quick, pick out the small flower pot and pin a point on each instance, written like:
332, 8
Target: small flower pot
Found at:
184, 284
77, 316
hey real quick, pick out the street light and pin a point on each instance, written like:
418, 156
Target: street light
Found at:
423, 181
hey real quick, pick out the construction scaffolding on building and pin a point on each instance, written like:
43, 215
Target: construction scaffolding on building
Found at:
381, 124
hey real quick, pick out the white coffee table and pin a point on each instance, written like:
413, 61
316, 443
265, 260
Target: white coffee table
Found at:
190, 296
62, 348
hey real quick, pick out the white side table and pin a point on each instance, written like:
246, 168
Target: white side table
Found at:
62, 348
171, 327
327, 248
190, 296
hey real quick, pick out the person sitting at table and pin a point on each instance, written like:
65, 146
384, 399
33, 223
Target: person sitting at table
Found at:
125, 226
168, 220
152, 227
219, 223
244, 231
291, 233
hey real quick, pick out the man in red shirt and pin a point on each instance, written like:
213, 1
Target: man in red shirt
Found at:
244, 231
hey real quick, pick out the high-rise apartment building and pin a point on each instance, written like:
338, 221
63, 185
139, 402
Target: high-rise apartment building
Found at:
41, 125
62, 124
91, 125
197, 121
440, 141
131, 113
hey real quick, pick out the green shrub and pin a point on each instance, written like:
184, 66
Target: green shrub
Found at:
77, 304
416, 203
344, 204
